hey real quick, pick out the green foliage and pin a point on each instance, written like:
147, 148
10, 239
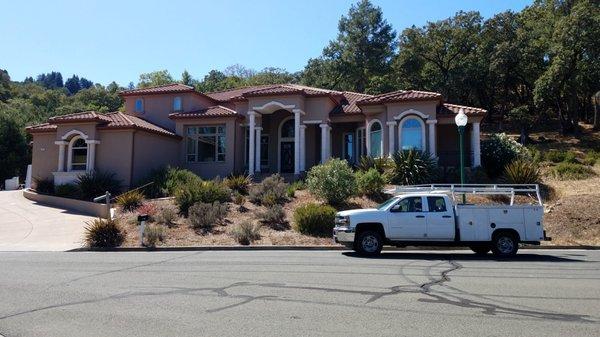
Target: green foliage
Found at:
96, 183
153, 234
314, 219
130, 200
67, 191
521, 172
167, 215
499, 150
272, 190
367, 162
166, 181
201, 192
333, 181
155, 78
370, 183
293, 187
204, 216
591, 158
246, 232
44, 186
572, 171
102, 233
557, 156
238, 183
273, 216
13, 149
413, 167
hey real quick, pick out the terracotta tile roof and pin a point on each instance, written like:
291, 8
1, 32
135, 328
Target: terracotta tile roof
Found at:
45, 127
85, 116
226, 95
452, 109
401, 96
161, 89
348, 103
210, 112
271, 89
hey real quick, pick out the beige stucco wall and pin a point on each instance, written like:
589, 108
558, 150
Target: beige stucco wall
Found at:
152, 151
318, 108
44, 155
114, 154
89, 129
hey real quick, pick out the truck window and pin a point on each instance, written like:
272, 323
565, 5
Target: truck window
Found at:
436, 204
410, 204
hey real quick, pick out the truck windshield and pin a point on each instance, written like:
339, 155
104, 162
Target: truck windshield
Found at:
387, 203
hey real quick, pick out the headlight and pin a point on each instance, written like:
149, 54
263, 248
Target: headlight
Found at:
342, 220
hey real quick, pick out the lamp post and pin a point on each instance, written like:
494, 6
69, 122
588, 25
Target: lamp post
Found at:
461, 122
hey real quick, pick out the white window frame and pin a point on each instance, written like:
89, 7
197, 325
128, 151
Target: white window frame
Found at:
370, 126
361, 142
194, 136
135, 105
70, 155
421, 122
175, 100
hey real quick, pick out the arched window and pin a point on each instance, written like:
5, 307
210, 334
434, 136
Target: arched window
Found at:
139, 105
412, 134
177, 104
287, 129
78, 151
376, 140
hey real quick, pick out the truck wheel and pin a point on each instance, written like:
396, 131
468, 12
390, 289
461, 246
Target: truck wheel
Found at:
480, 250
505, 244
369, 243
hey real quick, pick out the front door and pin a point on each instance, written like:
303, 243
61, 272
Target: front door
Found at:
287, 157
407, 220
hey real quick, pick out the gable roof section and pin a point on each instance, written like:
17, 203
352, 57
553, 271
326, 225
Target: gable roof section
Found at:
348, 104
44, 127
161, 89
79, 117
271, 89
453, 109
210, 112
401, 96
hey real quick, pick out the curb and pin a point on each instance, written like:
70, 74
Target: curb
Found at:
302, 248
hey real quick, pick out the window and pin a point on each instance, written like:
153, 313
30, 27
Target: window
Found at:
78, 155
376, 140
206, 143
287, 129
411, 134
349, 147
410, 204
177, 104
139, 105
264, 151
361, 138
436, 204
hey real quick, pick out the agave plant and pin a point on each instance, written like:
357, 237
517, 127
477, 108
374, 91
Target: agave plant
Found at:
412, 167
95, 183
366, 163
521, 172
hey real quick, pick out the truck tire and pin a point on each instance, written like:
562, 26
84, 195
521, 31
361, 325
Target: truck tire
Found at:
368, 243
480, 250
505, 244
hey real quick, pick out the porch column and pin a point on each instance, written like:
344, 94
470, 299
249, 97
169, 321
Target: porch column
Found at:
475, 145
251, 144
324, 142
257, 148
296, 141
432, 137
367, 140
61, 154
391, 138
91, 155
302, 148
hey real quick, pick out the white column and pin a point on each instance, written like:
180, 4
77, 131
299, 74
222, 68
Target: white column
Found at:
251, 143
61, 155
91, 155
391, 138
302, 148
475, 144
296, 141
432, 137
257, 148
367, 140
324, 142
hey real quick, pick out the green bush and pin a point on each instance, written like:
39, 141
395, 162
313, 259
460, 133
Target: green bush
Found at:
366, 163
591, 158
166, 181
293, 187
499, 150
167, 215
314, 219
239, 199
153, 234
130, 200
201, 191
572, 171
333, 181
44, 186
239, 183
67, 191
413, 167
102, 233
272, 190
370, 183
204, 216
96, 183
521, 172
557, 156
273, 216
246, 232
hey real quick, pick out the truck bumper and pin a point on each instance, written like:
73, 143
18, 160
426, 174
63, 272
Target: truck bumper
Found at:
343, 235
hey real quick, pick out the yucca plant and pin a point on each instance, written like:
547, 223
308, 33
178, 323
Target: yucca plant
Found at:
102, 233
521, 172
130, 201
96, 183
411, 167
238, 183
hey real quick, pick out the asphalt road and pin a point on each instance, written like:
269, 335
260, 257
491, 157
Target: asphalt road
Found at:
299, 293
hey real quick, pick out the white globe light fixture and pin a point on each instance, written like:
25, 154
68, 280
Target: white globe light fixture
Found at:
461, 121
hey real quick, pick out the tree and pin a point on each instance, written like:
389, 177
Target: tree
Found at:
13, 149
4, 85
216, 80
155, 78
363, 49
186, 78
84, 83
271, 75
72, 84
51, 80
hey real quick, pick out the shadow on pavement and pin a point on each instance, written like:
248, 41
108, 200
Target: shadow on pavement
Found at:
466, 256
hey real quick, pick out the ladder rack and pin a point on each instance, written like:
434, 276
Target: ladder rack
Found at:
482, 189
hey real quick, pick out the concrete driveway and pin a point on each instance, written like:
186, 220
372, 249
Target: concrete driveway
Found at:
28, 226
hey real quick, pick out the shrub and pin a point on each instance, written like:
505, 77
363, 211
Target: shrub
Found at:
273, 216
166, 181
411, 167
130, 200
44, 186
314, 219
148, 208
591, 158
557, 156
238, 183
333, 181
272, 190
204, 216
167, 215
499, 150
153, 234
293, 187
370, 182
201, 191
476, 175
246, 232
521, 172
96, 183
571, 171
102, 233
67, 191
366, 163
239, 199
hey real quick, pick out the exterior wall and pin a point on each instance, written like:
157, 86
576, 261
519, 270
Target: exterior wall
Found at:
427, 107
318, 108
44, 155
153, 151
89, 129
448, 147
115, 153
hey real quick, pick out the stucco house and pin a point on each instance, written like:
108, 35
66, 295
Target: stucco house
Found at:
284, 128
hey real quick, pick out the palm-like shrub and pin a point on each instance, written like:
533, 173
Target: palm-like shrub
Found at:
102, 233
246, 232
204, 216
370, 183
499, 150
411, 167
238, 183
44, 186
333, 181
67, 191
130, 200
366, 163
272, 190
314, 219
521, 172
96, 183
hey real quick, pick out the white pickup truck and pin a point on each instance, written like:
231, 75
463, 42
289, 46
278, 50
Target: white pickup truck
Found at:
427, 215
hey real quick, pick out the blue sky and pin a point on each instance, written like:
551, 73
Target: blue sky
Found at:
117, 40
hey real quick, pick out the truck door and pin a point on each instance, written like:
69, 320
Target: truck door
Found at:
440, 219
407, 220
